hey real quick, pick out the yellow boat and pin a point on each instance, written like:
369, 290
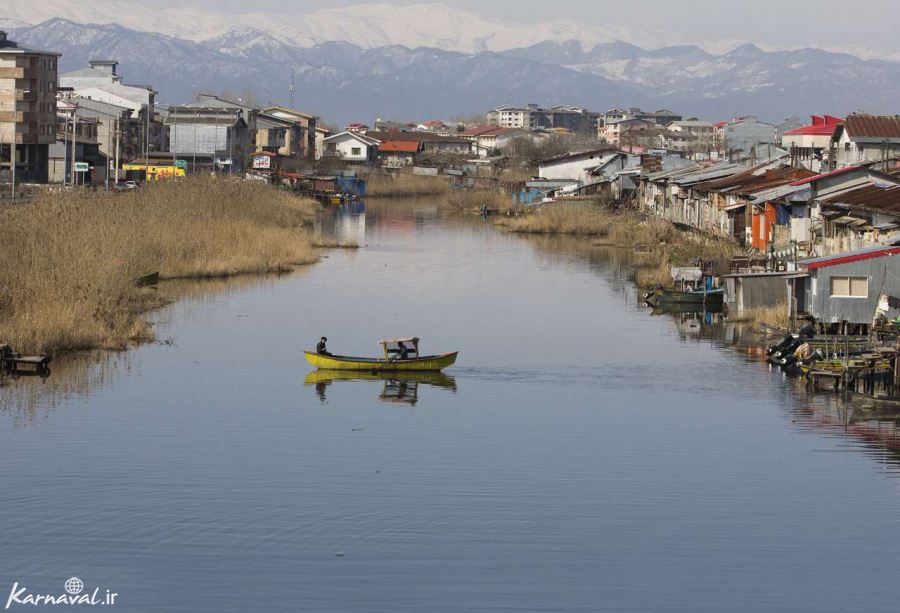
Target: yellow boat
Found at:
391, 362
437, 379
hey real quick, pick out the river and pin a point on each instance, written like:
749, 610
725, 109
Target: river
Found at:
581, 456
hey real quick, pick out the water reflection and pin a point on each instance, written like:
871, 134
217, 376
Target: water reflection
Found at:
398, 387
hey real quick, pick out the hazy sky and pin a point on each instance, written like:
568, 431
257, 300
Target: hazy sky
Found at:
872, 24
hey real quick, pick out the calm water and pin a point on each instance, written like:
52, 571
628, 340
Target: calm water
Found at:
581, 456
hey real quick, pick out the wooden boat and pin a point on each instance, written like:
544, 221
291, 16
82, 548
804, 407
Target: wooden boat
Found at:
148, 280
839, 365
391, 362
437, 379
713, 297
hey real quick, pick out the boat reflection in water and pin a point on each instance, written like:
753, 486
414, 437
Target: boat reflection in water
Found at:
399, 387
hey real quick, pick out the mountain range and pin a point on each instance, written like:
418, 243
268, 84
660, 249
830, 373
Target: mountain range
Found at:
346, 81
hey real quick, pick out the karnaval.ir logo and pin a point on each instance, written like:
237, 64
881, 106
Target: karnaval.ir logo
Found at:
74, 595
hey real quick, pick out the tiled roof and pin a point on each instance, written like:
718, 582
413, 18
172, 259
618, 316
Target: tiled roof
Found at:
401, 146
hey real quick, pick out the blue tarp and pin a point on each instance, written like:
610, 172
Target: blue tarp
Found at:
782, 215
351, 185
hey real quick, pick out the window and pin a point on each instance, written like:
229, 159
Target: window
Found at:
849, 287
356, 151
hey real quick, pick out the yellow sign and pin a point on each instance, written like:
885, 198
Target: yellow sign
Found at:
156, 172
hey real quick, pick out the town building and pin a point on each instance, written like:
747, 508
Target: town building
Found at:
100, 81
867, 138
76, 144
688, 136
810, 145
489, 140
661, 118
432, 143
845, 287
212, 137
743, 136
399, 153
573, 166
351, 147
533, 117
622, 131
320, 135
28, 84
300, 140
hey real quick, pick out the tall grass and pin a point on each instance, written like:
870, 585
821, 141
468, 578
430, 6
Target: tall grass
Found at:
68, 262
405, 186
775, 316
667, 245
474, 199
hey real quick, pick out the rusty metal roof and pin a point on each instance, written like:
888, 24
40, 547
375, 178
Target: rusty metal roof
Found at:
879, 197
873, 126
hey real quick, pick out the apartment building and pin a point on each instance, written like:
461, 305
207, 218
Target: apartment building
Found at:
28, 84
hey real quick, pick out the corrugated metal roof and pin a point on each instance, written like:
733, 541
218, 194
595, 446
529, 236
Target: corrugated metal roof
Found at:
850, 256
873, 126
876, 196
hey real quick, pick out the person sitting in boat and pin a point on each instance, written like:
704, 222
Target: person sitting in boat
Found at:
321, 349
402, 351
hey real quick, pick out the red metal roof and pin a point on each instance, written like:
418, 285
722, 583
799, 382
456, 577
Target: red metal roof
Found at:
873, 126
402, 146
851, 256
822, 125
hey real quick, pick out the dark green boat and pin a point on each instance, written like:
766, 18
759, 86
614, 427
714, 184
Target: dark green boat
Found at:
700, 297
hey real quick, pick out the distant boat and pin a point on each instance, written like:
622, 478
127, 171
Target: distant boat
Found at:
392, 361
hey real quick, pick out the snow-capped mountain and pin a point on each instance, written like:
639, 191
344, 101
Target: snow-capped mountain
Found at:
345, 82
368, 25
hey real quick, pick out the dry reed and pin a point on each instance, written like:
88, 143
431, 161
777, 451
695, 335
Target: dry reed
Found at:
405, 186
774, 316
69, 261
474, 199
666, 245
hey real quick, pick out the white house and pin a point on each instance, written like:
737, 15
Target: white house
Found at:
867, 138
351, 146
574, 166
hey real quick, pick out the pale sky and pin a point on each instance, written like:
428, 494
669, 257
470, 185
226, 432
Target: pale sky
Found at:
870, 24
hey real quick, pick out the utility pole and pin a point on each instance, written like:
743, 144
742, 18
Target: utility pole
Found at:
147, 141
173, 132
108, 143
291, 89
118, 145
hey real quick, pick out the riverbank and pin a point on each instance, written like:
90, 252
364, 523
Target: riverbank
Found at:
405, 186
659, 244
70, 261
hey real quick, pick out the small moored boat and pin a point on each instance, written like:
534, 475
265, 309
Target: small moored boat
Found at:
393, 360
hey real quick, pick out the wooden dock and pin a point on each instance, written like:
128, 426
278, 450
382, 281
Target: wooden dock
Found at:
15, 363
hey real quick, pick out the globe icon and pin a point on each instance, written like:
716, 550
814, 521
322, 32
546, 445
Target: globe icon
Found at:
74, 585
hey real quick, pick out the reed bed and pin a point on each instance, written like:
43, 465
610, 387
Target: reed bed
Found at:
70, 261
666, 245
775, 316
474, 199
405, 186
